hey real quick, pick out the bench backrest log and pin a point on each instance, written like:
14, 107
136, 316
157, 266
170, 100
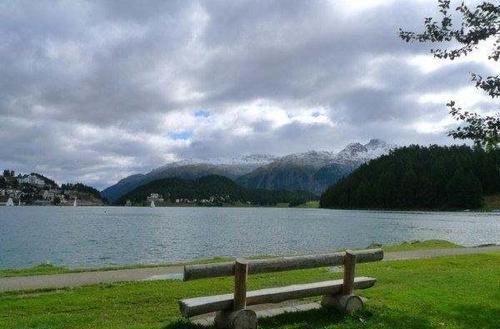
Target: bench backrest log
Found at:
201, 271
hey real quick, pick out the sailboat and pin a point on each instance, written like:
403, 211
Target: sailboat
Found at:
10, 203
74, 203
19, 203
153, 204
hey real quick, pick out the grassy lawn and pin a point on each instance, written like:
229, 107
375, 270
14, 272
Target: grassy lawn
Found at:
444, 292
44, 269
310, 204
492, 202
420, 245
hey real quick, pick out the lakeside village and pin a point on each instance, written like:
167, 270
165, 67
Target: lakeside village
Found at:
156, 199
37, 190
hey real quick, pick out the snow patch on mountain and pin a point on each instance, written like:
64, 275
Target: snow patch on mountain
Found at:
354, 152
357, 152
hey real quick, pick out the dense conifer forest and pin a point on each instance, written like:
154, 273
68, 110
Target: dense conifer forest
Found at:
417, 177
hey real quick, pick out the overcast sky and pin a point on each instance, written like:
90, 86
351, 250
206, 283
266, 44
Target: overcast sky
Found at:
94, 91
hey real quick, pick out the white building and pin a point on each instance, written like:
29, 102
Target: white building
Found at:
155, 197
31, 179
49, 195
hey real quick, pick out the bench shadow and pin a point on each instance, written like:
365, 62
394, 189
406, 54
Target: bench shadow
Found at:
327, 318
467, 316
475, 316
321, 318
184, 324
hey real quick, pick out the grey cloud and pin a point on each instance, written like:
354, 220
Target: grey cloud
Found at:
119, 66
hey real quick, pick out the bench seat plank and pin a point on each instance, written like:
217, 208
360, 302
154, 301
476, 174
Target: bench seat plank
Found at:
201, 305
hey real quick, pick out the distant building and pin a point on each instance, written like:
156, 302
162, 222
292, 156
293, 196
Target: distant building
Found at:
155, 197
41, 203
49, 195
31, 179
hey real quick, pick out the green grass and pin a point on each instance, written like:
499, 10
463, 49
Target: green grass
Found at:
41, 269
310, 204
491, 202
445, 292
45, 269
420, 245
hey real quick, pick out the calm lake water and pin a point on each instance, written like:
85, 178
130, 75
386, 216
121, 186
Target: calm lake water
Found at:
103, 236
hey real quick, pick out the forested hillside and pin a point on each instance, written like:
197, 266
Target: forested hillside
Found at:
214, 189
416, 177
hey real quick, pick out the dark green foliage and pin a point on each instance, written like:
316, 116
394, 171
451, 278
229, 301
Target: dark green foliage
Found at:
8, 173
56, 201
417, 177
464, 190
79, 187
222, 189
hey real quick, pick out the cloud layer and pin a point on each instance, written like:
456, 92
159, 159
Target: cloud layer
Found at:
95, 90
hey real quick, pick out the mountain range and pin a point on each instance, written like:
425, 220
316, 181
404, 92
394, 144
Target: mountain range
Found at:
311, 171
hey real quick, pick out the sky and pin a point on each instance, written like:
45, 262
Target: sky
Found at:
93, 91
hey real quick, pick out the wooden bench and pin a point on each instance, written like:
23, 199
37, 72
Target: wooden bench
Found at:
231, 308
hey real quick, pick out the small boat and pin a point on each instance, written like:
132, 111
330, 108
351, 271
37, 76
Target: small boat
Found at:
153, 204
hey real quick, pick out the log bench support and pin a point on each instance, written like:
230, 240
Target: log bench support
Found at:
346, 302
239, 317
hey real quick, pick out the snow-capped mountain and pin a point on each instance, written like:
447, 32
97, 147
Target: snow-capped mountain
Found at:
311, 171
315, 159
357, 152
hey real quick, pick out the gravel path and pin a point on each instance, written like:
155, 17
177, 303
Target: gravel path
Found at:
175, 272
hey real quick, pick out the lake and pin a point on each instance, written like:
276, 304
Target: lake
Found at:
105, 236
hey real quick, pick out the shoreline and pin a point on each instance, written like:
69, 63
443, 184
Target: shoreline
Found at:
49, 269
493, 211
50, 281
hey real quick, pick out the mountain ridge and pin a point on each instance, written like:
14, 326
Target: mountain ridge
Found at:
311, 171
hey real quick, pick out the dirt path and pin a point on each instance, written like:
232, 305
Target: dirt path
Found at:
175, 272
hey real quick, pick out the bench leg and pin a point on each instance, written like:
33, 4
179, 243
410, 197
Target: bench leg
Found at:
242, 319
344, 303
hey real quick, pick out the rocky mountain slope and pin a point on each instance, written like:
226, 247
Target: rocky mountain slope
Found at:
311, 171
187, 169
